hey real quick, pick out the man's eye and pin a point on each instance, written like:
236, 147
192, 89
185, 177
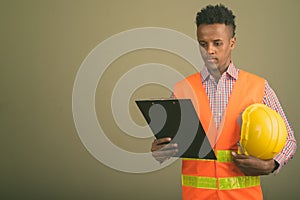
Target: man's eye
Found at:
218, 43
202, 44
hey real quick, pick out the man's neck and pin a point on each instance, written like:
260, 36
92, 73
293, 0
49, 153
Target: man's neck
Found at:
216, 73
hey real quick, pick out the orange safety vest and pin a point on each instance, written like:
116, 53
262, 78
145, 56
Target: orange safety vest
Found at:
221, 178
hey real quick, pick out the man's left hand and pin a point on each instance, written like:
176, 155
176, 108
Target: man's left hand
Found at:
252, 166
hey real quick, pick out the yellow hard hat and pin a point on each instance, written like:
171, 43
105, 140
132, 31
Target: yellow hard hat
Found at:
263, 133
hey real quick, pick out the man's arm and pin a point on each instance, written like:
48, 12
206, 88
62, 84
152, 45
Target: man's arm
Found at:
288, 151
253, 166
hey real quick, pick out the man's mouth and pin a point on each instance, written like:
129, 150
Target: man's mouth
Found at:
212, 60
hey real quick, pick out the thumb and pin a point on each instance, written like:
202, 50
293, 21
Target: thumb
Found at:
234, 154
237, 156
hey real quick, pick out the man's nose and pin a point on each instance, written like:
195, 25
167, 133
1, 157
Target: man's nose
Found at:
210, 49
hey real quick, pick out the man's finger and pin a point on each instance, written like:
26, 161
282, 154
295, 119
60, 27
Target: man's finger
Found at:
163, 147
161, 156
166, 153
238, 156
162, 141
169, 146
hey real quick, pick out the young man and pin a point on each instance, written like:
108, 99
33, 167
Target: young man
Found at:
220, 92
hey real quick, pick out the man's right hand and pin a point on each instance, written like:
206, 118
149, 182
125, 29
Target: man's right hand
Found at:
162, 151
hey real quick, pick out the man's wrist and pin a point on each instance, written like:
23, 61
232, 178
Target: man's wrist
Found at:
276, 166
270, 166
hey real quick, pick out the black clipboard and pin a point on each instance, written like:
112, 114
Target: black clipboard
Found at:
177, 118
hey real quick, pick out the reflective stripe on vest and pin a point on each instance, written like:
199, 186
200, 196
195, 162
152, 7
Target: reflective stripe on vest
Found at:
227, 183
222, 156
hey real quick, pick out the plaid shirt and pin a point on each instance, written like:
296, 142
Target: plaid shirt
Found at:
219, 93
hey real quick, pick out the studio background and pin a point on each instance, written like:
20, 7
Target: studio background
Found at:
43, 44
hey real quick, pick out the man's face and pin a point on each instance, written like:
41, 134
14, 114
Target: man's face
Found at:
216, 43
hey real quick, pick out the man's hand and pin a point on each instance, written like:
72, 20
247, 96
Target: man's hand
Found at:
252, 166
162, 149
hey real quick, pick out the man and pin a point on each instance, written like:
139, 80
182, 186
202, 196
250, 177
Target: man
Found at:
220, 92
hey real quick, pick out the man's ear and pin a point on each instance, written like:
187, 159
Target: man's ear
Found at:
232, 43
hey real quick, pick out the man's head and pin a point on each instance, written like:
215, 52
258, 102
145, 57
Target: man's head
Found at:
218, 14
215, 33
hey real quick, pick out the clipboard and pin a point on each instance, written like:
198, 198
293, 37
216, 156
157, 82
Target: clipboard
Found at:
177, 119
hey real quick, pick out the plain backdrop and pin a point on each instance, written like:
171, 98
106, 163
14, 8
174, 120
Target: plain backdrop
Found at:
43, 44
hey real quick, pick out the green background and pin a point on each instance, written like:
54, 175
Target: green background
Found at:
43, 44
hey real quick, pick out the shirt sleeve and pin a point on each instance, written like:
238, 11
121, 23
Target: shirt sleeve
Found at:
172, 96
288, 151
